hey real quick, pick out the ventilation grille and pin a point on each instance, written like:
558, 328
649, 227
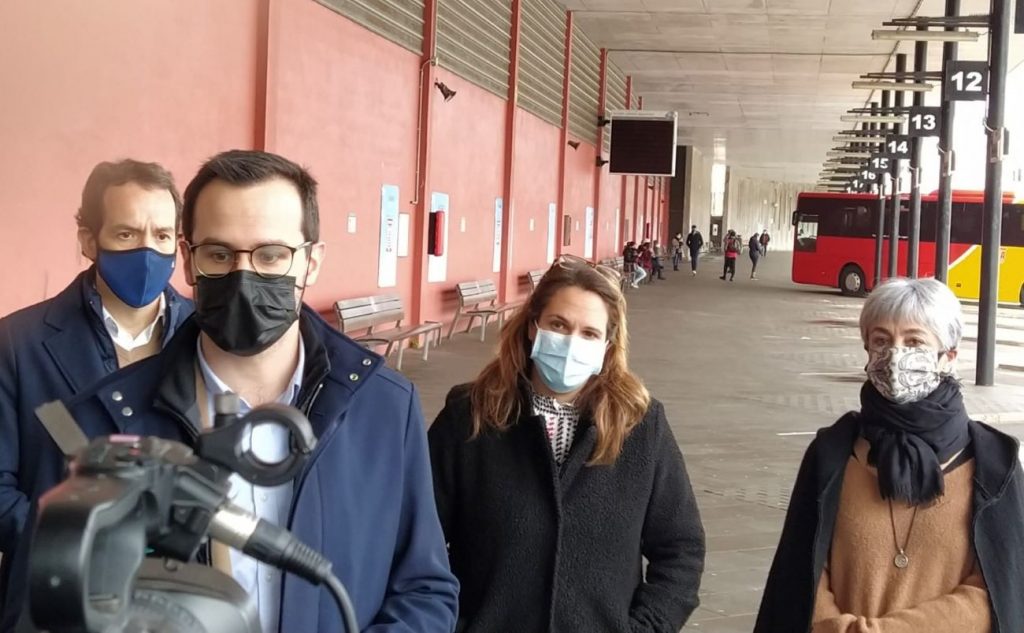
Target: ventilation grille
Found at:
473, 39
542, 59
400, 21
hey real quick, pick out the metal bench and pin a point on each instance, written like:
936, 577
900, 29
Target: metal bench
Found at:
535, 277
367, 313
618, 264
479, 300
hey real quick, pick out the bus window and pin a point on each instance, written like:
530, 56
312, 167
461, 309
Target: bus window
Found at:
858, 222
806, 233
966, 226
1013, 225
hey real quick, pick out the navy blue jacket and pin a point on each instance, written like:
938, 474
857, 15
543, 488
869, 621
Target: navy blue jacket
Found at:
51, 350
365, 498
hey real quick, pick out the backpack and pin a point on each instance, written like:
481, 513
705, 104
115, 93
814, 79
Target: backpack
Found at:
732, 245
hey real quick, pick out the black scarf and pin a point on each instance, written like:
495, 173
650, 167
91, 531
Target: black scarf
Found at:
910, 442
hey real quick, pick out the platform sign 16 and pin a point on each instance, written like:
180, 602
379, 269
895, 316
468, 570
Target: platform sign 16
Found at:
966, 81
924, 121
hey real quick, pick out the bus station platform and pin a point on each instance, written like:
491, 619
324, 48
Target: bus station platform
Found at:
747, 370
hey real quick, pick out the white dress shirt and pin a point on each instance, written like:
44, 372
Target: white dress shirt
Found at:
123, 339
270, 443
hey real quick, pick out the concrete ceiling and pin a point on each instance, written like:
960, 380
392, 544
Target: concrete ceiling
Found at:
758, 84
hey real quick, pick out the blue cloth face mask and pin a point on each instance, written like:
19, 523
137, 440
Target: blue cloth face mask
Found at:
137, 276
564, 362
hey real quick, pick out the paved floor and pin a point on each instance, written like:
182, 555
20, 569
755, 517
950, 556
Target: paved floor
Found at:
747, 371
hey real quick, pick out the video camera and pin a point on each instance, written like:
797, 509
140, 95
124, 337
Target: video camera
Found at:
113, 544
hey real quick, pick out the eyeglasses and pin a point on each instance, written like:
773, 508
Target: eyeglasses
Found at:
574, 261
270, 261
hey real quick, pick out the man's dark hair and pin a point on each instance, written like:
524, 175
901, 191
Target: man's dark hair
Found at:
111, 174
248, 167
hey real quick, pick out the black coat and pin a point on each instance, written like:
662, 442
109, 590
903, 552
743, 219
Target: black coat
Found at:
539, 548
998, 528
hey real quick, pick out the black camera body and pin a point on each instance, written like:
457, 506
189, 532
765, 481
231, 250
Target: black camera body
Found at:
114, 544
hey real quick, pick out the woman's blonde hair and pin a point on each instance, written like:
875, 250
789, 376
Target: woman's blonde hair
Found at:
615, 400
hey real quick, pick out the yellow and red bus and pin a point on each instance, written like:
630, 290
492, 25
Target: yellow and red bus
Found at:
834, 243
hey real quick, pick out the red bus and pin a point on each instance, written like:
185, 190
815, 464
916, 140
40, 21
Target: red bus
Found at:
834, 243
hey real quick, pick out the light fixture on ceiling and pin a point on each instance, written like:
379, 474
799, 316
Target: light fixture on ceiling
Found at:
867, 118
446, 92
859, 139
575, 145
892, 85
925, 36
601, 162
848, 154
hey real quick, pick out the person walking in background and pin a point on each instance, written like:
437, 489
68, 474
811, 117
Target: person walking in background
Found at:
694, 242
732, 249
905, 515
645, 260
630, 256
658, 260
677, 251
754, 248
557, 475
765, 238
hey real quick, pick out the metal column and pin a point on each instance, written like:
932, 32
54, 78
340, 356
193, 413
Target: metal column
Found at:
914, 221
880, 229
897, 128
999, 35
944, 217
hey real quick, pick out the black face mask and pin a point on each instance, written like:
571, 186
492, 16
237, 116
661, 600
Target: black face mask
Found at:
244, 313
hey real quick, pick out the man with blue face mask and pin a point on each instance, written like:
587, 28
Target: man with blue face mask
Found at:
121, 310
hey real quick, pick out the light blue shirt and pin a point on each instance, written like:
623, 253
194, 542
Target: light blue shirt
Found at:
269, 442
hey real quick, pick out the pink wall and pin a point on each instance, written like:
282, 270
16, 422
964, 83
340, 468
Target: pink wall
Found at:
536, 187
334, 114
177, 81
579, 185
84, 82
467, 162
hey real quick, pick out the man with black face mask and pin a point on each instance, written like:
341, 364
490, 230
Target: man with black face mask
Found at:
251, 247
118, 311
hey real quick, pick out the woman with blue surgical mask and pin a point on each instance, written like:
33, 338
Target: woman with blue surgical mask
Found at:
906, 515
556, 475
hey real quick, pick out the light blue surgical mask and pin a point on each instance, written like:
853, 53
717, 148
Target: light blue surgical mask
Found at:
564, 362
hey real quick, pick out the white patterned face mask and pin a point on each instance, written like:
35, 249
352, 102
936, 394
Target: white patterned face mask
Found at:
905, 374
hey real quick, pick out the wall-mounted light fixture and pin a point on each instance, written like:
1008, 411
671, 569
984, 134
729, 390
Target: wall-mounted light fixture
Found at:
575, 145
446, 92
925, 36
602, 121
601, 162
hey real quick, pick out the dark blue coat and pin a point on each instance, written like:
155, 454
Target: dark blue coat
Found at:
51, 350
365, 499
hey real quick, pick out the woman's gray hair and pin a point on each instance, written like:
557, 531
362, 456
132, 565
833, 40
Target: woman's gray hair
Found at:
925, 301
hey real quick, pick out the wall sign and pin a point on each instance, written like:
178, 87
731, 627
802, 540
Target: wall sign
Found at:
496, 258
403, 234
387, 253
924, 121
552, 229
966, 81
588, 236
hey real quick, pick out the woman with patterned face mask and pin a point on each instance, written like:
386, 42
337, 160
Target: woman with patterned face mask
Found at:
907, 515
556, 473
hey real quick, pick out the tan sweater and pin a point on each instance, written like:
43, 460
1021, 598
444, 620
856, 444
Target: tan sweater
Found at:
862, 591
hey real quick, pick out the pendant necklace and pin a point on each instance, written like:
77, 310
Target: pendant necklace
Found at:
902, 561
